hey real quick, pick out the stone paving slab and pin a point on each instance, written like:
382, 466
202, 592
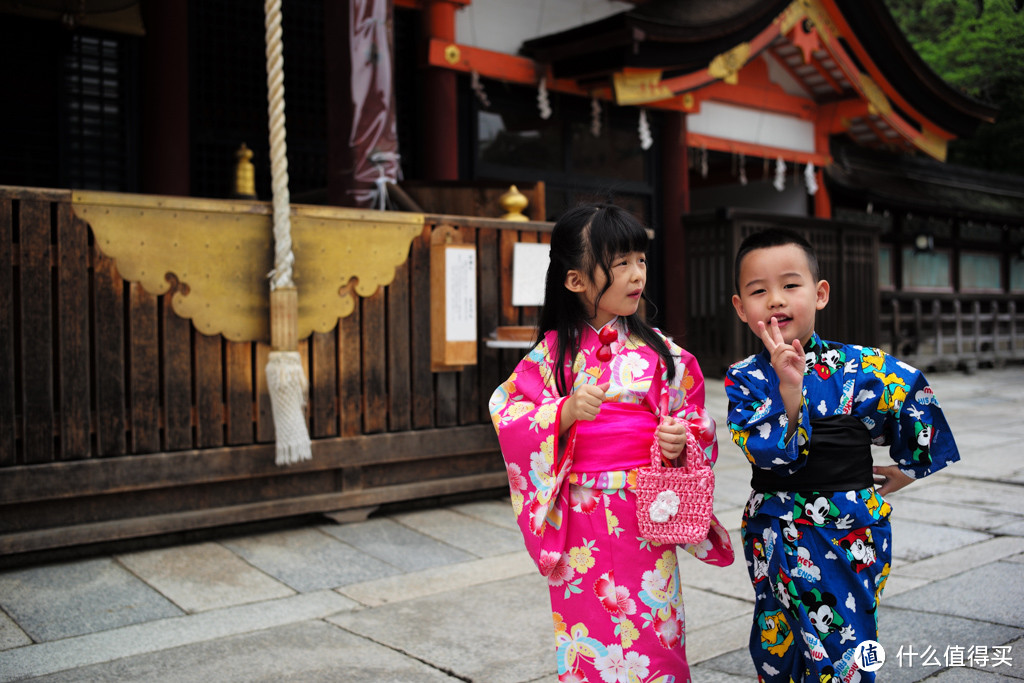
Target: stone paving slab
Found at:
732, 581
498, 512
164, 634
437, 580
704, 643
704, 610
308, 559
468, 533
991, 462
1011, 529
957, 516
310, 652
922, 636
955, 562
397, 545
203, 576
994, 496
499, 632
899, 583
74, 598
991, 593
11, 634
913, 541
734, 664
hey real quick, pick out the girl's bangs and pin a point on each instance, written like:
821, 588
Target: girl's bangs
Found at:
611, 235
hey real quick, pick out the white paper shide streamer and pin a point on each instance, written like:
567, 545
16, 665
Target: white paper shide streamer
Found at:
543, 103
286, 379
780, 175
809, 178
644, 128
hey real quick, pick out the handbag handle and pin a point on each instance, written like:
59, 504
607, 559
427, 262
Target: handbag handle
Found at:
693, 457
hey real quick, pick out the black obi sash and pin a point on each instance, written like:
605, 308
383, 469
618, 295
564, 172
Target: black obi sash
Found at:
839, 460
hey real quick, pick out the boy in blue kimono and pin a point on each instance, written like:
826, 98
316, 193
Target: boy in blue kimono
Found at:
805, 412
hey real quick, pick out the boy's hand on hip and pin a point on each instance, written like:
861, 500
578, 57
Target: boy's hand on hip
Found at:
889, 479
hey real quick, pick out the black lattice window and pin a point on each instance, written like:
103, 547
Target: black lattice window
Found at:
97, 142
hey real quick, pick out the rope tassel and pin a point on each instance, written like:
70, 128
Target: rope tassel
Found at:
287, 384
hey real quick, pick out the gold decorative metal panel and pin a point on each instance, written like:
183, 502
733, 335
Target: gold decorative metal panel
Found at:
219, 253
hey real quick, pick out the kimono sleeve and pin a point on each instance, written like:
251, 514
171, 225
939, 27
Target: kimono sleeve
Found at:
898, 406
758, 420
686, 401
525, 410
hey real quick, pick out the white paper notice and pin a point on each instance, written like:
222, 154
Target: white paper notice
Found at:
460, 294
529, 269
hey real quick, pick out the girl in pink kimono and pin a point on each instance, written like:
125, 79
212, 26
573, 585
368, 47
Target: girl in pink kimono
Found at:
575, 420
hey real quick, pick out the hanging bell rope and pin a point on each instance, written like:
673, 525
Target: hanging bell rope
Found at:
286, 380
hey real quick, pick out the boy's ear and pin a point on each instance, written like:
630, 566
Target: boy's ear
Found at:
574, 282
822, 300
737, 303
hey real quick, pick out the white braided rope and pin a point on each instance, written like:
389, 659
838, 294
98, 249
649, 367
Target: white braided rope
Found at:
281, 275
286, 379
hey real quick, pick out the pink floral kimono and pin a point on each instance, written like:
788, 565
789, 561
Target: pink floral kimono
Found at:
615, 597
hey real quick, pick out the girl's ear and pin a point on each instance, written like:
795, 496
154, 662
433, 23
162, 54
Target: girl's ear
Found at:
574, 282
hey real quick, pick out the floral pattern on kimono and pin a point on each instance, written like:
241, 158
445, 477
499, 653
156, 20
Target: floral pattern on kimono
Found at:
615, 597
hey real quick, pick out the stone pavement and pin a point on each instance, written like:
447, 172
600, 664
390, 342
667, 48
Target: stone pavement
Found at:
449, 594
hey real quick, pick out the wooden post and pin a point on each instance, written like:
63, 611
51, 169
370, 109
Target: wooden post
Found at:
284, 319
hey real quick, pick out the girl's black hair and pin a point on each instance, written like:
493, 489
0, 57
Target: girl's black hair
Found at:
586, 238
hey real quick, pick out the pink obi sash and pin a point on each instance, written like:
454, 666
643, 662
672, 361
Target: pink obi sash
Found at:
619, 439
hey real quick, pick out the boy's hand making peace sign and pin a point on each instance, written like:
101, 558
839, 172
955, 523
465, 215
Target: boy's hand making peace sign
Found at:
789, 365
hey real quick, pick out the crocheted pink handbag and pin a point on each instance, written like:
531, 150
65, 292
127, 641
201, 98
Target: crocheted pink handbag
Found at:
673, 504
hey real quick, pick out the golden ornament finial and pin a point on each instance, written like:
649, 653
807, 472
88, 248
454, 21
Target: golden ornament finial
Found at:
514, 202
245, 174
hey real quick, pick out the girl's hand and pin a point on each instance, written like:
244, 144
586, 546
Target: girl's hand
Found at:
889, 479
787, 359
671, 435
584, 404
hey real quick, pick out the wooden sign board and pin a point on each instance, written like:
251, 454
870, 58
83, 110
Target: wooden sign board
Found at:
453, 322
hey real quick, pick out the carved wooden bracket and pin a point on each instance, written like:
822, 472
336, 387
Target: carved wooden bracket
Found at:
216, 254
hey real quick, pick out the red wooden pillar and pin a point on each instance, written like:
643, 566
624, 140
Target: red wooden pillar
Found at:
440, 119
675, 193
822, 202
165, 137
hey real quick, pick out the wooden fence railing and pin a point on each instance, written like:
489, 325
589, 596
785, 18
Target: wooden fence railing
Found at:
118, 419
946, 331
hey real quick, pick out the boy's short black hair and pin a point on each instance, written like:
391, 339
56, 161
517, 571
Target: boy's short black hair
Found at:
774, 237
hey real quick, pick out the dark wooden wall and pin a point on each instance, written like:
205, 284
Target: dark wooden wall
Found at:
847, 257
118, 419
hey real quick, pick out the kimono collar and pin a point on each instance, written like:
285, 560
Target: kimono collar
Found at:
617, 323
812, 350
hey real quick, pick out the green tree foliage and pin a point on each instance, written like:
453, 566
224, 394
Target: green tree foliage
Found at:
978, 48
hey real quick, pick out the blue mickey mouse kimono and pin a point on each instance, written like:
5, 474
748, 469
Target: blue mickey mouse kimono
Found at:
815, 533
